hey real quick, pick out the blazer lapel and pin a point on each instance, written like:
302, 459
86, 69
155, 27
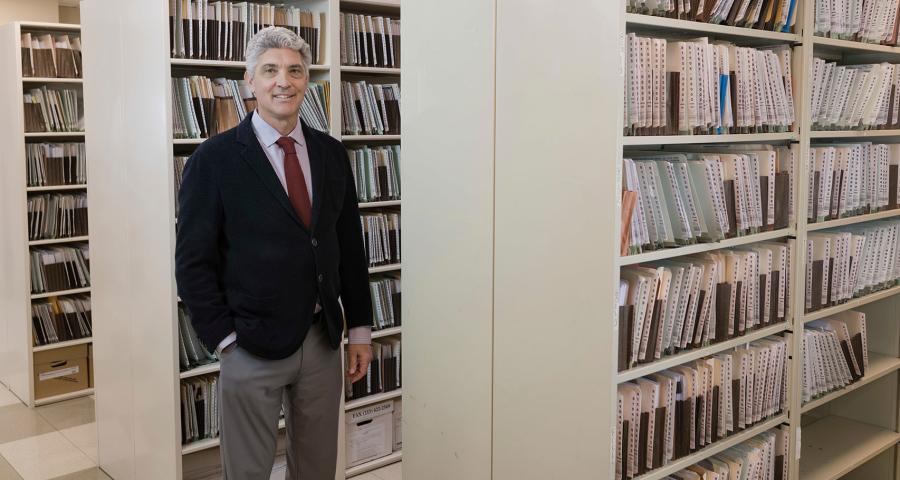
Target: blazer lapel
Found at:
316, 169
259, 162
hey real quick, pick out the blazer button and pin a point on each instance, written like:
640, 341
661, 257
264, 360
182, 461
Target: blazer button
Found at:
320, 278
315, 242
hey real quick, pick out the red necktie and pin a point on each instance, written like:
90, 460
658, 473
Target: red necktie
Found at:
296, 183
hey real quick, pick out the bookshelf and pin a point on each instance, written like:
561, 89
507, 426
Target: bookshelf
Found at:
149, 448
17, 345
834, 435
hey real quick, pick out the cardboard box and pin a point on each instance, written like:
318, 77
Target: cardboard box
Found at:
370, 433
91, 365
398, 419
60, 371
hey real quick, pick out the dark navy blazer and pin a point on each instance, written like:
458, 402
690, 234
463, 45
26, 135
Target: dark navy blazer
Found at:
245, 262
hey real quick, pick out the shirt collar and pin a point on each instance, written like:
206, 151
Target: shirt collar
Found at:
268, 135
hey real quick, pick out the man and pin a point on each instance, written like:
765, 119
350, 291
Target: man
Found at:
268, 240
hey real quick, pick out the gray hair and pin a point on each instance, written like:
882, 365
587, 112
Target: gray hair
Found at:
276, 37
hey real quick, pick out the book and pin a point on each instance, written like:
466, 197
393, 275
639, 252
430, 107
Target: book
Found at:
385, 292
851, 179
384, 373
671, 414
834, 353
53, 110
61, 319
376, 172
57, 215
381, 237
867, 21
370, 108
59, 268
199, 408
220, 30
369, 40
772, 15
699, 87
56, 164
854, 97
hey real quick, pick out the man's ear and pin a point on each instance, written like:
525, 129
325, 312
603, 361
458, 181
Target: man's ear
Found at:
249, 79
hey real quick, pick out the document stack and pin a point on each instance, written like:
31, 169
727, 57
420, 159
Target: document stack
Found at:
383, 374
703, 87
316, 105
854, 97
56, 269
369, 41
868, 21
370, 108
844, 263
381, 234
60, 319
670, 414
55, 164
57, 215
670, 306
710, 194
385, 302
835, 353
773, 15
851, 179
761, 457
220, 30
203, 107
46, 55
199, 408
376, 171
53, 110
191, 351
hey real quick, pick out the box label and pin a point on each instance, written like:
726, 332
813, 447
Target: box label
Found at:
65, 372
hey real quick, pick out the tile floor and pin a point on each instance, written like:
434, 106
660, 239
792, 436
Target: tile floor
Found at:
59, 442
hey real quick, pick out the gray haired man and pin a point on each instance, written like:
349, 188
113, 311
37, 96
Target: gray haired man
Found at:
269, 242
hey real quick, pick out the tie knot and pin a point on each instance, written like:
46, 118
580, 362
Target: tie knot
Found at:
286, 144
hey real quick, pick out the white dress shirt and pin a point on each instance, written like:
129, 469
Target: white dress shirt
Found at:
268, 136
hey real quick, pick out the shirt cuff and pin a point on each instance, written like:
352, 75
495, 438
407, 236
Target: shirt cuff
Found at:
228, 341
360, 336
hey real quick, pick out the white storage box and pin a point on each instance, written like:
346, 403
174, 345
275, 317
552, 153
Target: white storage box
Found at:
370, 433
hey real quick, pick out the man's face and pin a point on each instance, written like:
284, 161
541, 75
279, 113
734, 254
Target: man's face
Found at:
279, 83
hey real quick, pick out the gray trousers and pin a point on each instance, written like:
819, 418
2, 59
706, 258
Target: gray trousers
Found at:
252, 391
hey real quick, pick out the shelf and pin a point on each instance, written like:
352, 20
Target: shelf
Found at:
387, 203
60, 293
672, 25
208, 443
686, 139
55, 188
713, 449
54, 346
192, 62
853, 133
56, 241
370, 138
842, 45
370, 70
833, 446
385, 268
51, 80
53, 134
49, 26
690, 355
704, 247
201, 370
188, 141
66, 396
879, 366
387, 332
371, 399
375, 464
840, 222
856, 302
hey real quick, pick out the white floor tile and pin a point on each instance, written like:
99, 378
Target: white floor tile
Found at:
391, 472
85, 438
7, 398
45, 456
